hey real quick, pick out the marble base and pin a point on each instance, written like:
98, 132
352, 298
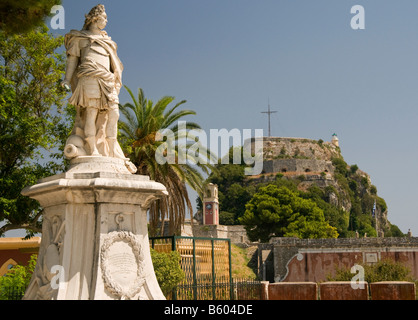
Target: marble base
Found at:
94, 235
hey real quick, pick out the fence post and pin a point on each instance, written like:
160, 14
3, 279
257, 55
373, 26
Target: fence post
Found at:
174, 243
213, 271
173, 248
194, 271
231, 285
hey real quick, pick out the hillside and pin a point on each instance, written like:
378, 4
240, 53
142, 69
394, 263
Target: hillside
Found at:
317, 170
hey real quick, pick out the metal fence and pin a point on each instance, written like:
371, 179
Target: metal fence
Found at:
203, 260
12, 293
237, 289
206, 263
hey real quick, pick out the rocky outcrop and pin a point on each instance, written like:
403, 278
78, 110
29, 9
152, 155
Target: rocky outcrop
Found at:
319, 163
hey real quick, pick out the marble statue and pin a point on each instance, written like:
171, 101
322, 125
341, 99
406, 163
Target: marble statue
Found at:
94, 73
95, 242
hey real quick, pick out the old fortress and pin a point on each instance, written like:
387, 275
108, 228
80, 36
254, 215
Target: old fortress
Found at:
291, 155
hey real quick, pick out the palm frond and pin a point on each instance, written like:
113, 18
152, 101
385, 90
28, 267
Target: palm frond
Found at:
140, 122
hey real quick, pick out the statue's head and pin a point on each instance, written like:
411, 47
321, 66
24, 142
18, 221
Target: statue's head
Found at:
96, 15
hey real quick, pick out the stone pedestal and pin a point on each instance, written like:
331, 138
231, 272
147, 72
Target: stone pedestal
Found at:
94, 234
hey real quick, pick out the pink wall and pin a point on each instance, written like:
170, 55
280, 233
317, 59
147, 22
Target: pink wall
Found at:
316, 266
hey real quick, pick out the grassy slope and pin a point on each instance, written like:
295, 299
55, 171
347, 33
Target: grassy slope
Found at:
241, 263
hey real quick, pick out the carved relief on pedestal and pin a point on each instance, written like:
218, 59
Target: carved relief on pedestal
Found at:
49, 257
122, 264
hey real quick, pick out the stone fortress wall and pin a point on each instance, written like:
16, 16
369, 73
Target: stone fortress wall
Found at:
297, 165
297, 155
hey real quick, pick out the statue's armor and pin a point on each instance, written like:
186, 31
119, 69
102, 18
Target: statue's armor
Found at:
91, 50
96, 53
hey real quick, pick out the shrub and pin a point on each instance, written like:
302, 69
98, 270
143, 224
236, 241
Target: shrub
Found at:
167, 269
353, 169
17, 279
226, 218
384, 270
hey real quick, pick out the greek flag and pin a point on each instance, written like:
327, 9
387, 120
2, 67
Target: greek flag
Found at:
374, 209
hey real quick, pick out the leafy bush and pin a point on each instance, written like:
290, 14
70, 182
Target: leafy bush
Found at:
167, 269
226, 218
17, 279
384, 270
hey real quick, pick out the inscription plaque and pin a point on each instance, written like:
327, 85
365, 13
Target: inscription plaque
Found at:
371, 257
122, 264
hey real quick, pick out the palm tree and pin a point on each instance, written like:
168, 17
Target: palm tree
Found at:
139, 133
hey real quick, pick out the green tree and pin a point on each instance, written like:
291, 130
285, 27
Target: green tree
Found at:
139, 135
226, 218
167, 269
335, 216
340, 165
233, 191
17, 278
280, 212
394, 231
24, 15
31, 122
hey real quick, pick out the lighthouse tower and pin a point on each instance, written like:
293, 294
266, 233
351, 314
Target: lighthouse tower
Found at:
335, 141
211, 205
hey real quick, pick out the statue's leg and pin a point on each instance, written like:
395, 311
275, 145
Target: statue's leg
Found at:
90, 130
112, 128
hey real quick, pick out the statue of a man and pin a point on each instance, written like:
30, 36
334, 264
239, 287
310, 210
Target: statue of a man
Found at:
94, 72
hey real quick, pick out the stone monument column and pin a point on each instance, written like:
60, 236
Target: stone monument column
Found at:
94, 232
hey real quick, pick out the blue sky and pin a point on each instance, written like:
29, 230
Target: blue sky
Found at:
227, 58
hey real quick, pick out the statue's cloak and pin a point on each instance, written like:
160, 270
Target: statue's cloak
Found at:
110, 81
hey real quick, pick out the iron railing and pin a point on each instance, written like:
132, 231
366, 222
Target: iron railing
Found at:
205, 262
12, 293
223, 289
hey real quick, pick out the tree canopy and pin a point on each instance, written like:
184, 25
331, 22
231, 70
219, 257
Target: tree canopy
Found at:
280, 212
24, 15
31, 102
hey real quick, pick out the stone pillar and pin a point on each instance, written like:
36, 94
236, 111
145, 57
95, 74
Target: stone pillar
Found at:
265, 290
94, 234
